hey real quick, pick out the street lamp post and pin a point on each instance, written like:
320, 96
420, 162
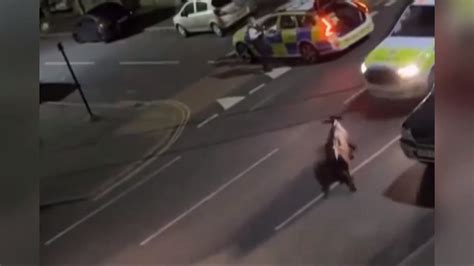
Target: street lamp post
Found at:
92, 116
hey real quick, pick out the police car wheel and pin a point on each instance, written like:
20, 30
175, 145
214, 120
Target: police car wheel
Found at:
217, 30
244, 52
308, 53
182, 31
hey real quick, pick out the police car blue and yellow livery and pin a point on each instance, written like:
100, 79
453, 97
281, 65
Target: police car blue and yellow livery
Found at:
302, 33
401, 66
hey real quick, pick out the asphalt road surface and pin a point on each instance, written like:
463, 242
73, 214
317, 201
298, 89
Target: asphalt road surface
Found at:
238, 186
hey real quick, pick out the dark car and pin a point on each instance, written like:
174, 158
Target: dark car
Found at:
417, 139
105, 22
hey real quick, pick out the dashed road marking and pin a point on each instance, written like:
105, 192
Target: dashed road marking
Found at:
208, 197
277, 72
228, 102
110, 202
73, 63
209, 119
137, 63
265, 100
320, 196
56, 34
254, 90
354, 96
373, 13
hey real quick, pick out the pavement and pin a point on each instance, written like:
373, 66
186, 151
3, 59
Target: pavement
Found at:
61, 24
79, 156
238, 185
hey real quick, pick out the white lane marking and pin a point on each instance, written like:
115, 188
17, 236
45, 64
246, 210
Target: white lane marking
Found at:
160, 28
390, 2
406, 260
126, 178
267, 99
228, 102
373, 13
231, 53
277, 72
254, 90
74, 63
211, 62
113, 200
209, 197
354, 96
134, 63
57, 34
333, 186
209, 119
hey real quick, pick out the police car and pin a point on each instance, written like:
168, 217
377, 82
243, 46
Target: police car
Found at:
399, 66
301, 32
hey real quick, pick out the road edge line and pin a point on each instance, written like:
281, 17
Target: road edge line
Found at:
208, 197
110, 202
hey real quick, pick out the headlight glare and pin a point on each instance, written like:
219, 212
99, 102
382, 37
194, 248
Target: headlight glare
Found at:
363, 68
408, 71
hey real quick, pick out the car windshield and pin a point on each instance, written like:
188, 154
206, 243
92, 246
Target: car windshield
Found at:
221, 3
418, 22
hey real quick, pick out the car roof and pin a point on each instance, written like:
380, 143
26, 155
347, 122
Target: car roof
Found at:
424, 3
108, 10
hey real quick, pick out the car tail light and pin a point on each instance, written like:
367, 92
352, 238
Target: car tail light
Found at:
328, 27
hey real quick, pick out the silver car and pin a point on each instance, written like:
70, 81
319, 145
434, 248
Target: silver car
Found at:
211, 15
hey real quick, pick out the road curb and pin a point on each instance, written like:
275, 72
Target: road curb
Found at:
154, 152
96, 189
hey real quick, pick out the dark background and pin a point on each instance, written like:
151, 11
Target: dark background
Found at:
19, 213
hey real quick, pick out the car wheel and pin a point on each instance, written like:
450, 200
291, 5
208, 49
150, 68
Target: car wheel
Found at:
182, 31
309, 53
76, 38
106, 37
217, 30
244, 52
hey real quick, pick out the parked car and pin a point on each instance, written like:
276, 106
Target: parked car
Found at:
211, 15
105, 22
417, 139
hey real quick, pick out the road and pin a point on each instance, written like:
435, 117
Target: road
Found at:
238, 186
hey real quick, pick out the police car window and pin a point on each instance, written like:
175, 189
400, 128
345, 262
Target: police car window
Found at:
287, 22
305, 21
200, 6
270, 22
417, 21
188, 9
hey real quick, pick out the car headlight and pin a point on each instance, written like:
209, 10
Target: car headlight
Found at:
407, 135
363, 68
408, 71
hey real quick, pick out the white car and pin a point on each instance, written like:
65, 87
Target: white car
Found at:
211, 15
399, 67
